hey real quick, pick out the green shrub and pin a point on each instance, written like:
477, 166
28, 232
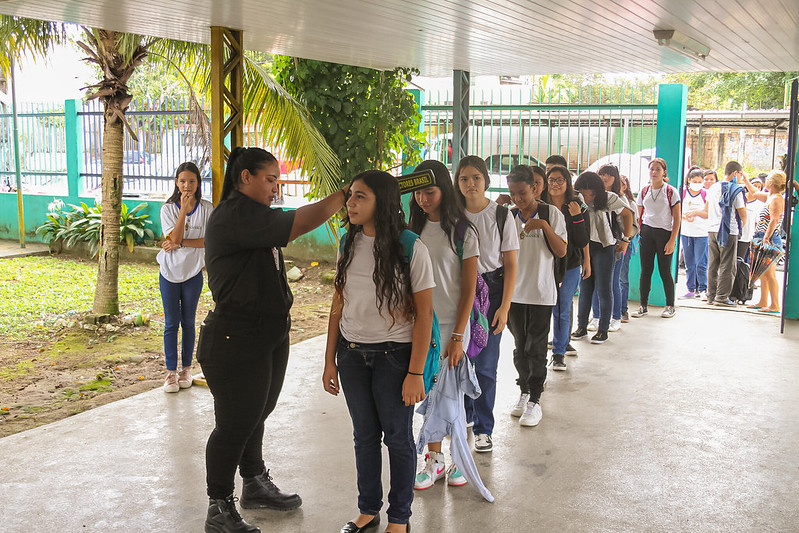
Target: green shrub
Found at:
82, 224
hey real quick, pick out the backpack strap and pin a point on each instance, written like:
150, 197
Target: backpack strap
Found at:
460, 237
502, 216
408, 238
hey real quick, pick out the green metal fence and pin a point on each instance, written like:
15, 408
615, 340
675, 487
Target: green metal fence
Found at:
526, 124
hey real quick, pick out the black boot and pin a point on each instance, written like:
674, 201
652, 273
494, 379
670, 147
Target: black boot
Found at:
224, 518
260, 492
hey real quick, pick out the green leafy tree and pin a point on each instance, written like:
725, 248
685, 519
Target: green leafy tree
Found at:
735, 90
118, 55
366, 115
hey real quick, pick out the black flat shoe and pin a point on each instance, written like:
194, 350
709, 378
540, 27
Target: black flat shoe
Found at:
350, 527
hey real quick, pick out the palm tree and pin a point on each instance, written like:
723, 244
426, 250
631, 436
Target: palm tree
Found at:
118, 54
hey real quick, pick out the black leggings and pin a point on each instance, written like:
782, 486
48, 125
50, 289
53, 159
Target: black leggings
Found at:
653, 242
244, 363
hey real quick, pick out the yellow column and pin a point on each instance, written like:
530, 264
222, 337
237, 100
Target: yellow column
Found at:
227, 124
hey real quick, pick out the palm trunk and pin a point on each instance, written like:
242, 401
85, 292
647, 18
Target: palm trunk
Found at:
106, 295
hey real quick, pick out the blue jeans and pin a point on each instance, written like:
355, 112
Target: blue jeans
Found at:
371, 377
695, 253
481, 410
180, 307
615, 291
624, 278
602, 259
563, 309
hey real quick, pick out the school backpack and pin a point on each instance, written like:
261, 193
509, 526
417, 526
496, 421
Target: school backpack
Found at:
479, 326
741, 291
669, 195
560, 262
433, 362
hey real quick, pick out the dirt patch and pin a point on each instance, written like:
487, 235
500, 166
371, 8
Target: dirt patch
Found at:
72, 369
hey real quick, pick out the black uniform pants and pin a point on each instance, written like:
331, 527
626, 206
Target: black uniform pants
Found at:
244, 362
529, 325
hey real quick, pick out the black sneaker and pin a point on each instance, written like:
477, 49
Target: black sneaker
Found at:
557, 362
570, 350
600, 337
579, 333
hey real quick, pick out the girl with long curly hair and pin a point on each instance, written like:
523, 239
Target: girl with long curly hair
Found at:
378, 337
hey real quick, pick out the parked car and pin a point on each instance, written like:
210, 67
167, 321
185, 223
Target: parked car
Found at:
635, 167
500, 165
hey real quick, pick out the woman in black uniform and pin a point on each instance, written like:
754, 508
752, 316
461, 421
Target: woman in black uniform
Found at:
244, 341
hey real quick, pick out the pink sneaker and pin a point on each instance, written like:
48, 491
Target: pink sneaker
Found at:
184, 378
171, 382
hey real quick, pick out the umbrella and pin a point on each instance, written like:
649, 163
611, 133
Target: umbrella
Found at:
762, 256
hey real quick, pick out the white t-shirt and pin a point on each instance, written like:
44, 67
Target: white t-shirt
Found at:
447, 268
535, 278
714, 211
182, 264
486, 223
698, 226
753, 210
657, 207
361, 320
616, 204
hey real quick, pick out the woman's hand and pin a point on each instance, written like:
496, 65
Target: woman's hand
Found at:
503, 199
586, 269
534, 223
412, 389
500, 319
330, 379
669, 248
187, 202
621, 246
575, 208
454, 352
168, 245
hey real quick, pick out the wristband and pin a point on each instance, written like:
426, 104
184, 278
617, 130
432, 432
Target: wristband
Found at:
415, 373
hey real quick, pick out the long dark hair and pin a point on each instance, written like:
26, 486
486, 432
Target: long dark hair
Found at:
569, 195
191, 167
451, 211
392, 273
627, 193
253, 159
611, 170
474, 162
592, 181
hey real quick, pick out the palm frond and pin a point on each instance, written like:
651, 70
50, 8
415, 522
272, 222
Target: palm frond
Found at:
27, 38
285, 121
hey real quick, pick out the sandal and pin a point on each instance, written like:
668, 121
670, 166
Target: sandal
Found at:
769, 311
753, 307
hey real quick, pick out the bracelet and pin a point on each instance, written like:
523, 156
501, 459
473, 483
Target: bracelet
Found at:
415, 374
456, 337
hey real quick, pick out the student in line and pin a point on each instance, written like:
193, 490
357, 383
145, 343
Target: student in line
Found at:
632, 248
660, 214
439, 220
542, 238
184, 218
560, 194
603, 248
499, 244
694, 235
377, 343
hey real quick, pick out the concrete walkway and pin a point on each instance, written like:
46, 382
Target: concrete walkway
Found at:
10, 249
688, 424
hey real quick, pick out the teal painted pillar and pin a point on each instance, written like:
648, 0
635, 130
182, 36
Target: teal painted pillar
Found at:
74, 149
791, 302
670, 145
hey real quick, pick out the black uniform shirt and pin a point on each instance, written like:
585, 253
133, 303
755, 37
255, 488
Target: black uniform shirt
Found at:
246, 273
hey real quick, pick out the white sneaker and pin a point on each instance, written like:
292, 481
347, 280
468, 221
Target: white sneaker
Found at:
532, 415
615, 325
668, 312
594, 325
455, 476
483, 443
434, 469
184, 377
703, 296
518, 409
171, 382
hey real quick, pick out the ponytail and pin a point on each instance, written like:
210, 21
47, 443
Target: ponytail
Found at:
240, 158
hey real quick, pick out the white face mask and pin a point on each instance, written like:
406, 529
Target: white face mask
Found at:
695, 187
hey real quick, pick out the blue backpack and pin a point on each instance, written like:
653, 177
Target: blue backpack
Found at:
433, 362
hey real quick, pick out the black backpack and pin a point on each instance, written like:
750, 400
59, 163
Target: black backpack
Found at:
741, 291
560, 262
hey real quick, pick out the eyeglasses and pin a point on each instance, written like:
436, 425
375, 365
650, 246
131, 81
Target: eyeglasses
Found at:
556, 181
